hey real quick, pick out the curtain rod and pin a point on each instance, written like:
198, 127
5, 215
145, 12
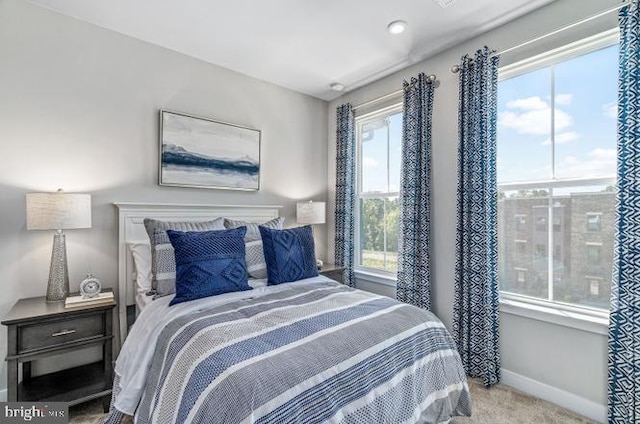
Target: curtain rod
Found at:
456, 68
430, 78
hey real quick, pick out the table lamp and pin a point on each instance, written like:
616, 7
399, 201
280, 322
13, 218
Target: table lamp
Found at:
58, 211
310, 213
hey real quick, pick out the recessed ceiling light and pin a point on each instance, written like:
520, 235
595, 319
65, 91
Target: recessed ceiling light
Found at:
397, 27
336, 86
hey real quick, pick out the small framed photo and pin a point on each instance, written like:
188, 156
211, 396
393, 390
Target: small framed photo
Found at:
201, 152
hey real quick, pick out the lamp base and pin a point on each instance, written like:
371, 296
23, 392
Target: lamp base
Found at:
58, 285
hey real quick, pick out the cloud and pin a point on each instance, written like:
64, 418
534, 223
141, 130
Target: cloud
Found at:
528, 103
532, 116
368, 162
566, 137
599, 162
564, 99
610, 110
606, 155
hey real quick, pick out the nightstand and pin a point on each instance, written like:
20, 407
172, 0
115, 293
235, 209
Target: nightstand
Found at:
38, 330
332, 271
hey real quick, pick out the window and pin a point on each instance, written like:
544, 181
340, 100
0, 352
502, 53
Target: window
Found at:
379, 138
521, 222
594, 222
541, 223
594, 286
521, 247
522, 275
557, 252
557, 223
541, 251
557, 163
593, 253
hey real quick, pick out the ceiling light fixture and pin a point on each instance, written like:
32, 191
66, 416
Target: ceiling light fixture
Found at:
336, 86
397, 27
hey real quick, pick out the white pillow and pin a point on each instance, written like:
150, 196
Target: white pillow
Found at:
141, 253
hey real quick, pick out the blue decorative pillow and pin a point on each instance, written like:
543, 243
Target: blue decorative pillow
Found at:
290, 254
208, 263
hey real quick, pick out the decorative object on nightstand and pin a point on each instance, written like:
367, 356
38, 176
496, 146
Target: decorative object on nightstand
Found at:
90, 294
311, 213
101, 298
90, 287
37, 330
58, 211
332, 271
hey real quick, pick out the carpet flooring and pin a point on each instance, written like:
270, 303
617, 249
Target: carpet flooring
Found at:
498, 405
503, 405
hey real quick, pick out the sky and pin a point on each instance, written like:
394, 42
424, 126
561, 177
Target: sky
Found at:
585, 120
374, 155
585, 126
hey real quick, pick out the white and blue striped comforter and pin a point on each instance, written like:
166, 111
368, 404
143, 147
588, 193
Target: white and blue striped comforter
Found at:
313, 351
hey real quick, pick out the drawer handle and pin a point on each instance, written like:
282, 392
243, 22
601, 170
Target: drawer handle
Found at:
63, 333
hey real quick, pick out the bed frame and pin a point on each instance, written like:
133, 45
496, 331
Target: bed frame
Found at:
131, 230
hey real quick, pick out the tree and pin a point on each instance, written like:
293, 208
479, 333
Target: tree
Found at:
530, 193
374, 221
372, 224
392, 221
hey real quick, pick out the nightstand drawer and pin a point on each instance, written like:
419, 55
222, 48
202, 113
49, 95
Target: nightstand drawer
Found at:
56, 333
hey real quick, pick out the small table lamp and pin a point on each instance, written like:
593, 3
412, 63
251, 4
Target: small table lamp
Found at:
58, 211
310, 213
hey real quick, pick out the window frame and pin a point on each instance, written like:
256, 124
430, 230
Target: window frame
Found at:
571, 315
372, 274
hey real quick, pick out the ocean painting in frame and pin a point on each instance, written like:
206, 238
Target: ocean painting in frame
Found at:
201, 152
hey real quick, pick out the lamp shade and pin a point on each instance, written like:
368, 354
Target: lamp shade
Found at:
311, 213
58, 211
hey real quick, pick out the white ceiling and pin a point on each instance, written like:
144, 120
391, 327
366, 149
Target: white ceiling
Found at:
304, 45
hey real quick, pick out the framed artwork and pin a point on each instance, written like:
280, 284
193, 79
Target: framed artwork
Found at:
201, 152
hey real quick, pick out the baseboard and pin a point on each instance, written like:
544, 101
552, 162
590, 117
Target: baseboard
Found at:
3, 395
567, 400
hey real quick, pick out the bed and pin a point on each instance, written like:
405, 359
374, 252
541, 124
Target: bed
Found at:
309, 351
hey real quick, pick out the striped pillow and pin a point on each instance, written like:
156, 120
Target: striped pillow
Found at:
163, 262
256, 265
253, 233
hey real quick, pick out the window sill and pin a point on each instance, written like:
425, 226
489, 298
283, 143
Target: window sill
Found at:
592, 322
385, 279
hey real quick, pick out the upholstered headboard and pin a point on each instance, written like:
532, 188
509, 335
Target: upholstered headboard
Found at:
131, 230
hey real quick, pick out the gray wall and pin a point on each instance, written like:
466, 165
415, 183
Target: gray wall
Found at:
565, 358
79, 110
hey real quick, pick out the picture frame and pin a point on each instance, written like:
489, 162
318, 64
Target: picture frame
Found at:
204, 153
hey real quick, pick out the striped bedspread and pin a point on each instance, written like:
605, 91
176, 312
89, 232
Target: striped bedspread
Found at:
310, 352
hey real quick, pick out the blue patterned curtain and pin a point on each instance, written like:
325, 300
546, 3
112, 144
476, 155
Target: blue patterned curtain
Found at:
476, 307
415, 185
624, 326
345, 190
